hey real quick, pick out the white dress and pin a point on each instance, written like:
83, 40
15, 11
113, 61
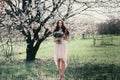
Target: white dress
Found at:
60, 52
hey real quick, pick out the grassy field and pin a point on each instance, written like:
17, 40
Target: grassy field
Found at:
85, 62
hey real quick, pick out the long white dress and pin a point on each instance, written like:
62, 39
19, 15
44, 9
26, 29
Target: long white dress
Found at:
60, 52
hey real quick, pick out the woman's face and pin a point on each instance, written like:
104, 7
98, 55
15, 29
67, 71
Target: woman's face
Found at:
60, 24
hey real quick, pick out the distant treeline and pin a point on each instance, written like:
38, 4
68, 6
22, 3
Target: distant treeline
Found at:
109, 27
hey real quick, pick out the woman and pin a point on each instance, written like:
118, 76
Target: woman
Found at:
60, 52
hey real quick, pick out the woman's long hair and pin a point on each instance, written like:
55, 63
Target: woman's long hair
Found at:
64, 29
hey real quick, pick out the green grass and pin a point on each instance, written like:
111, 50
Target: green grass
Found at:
84, 51
85, 62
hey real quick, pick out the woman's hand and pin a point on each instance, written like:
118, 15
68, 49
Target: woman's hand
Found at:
65, 37
55, 39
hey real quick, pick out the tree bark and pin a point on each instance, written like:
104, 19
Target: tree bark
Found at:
30, 53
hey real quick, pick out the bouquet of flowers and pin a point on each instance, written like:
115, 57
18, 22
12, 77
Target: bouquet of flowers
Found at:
58, 35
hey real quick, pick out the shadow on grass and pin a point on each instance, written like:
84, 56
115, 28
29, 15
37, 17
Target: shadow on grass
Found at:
90, 71
93, 72
46, 70
106, 45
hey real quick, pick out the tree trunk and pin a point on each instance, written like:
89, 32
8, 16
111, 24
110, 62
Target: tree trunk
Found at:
31, 50
30, 54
